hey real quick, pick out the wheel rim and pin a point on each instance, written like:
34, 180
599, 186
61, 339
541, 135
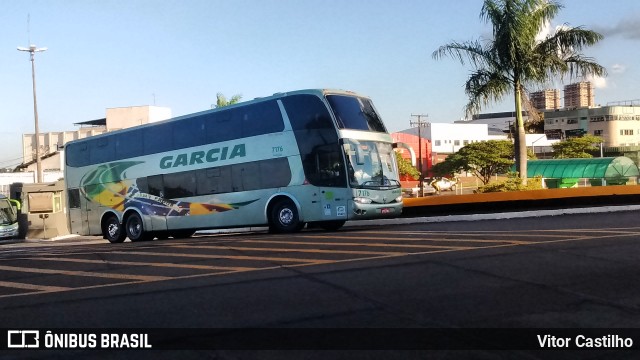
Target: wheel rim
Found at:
134, 227
112, 230
285, 216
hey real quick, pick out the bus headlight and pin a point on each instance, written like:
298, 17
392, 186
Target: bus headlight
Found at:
399, 198
361, 200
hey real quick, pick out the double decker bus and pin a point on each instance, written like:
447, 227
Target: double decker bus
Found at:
317, 157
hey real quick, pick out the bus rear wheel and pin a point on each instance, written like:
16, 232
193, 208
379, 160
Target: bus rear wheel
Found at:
135, 228
112, 230
284, 217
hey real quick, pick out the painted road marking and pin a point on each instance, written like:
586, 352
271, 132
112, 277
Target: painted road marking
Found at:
319, 251
357, 244
84, 273
520, 242
9, 284
232, 257
150, 264
467, 233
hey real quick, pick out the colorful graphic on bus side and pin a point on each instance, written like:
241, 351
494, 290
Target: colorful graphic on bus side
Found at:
113, 191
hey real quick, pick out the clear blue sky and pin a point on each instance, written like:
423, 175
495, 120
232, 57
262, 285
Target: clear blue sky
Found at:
180, 53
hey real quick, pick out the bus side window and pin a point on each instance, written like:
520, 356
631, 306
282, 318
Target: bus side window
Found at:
78, 154
155, 139
188, 133
274, 173
179, 185
262, 118
221, 126
214, 180
101, 150
129, 144
156, 185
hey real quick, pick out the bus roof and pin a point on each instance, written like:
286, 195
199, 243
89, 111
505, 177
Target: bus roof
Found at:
320, 92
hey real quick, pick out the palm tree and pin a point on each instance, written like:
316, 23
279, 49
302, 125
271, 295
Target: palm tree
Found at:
515, 57
222, 101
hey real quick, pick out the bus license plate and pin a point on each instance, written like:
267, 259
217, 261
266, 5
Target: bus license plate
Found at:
386, 210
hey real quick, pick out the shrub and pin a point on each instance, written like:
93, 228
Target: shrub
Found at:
512, 183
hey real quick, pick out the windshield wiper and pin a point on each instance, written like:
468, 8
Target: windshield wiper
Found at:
374, 184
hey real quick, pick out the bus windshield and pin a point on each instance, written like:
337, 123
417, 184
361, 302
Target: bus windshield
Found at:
371, 164
355, 113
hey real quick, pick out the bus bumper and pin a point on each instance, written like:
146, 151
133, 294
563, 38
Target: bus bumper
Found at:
375, 211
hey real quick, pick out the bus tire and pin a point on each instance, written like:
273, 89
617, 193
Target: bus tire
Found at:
112, 230
135, 228
332, 225
284, 217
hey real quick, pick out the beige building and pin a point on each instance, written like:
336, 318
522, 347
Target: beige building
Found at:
116, 118
579, 95
618, 125
546, 99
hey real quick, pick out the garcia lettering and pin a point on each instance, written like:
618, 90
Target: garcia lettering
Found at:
200, 157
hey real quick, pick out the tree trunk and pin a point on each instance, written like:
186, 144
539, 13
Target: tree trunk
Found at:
520, 142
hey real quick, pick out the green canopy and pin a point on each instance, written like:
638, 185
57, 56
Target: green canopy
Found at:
591, 168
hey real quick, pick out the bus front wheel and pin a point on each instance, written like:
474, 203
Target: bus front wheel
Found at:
135, 228
284, 217
112, 230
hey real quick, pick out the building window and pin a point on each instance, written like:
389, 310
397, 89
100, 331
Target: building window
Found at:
465, 142
456, 143
626, 132
598, 132
437, 143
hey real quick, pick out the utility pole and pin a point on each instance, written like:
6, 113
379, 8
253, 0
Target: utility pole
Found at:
32, 49
419, 123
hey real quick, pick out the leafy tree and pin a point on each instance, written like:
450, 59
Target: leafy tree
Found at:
515, 57
222, 101
482, 159
576, 147
405, 167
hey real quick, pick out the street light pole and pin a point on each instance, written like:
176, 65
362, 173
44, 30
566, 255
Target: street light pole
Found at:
32, 49
419, 124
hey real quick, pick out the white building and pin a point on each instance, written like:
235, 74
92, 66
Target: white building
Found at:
447, 138
495, 121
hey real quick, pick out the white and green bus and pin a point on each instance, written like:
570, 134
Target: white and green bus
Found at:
317, 157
